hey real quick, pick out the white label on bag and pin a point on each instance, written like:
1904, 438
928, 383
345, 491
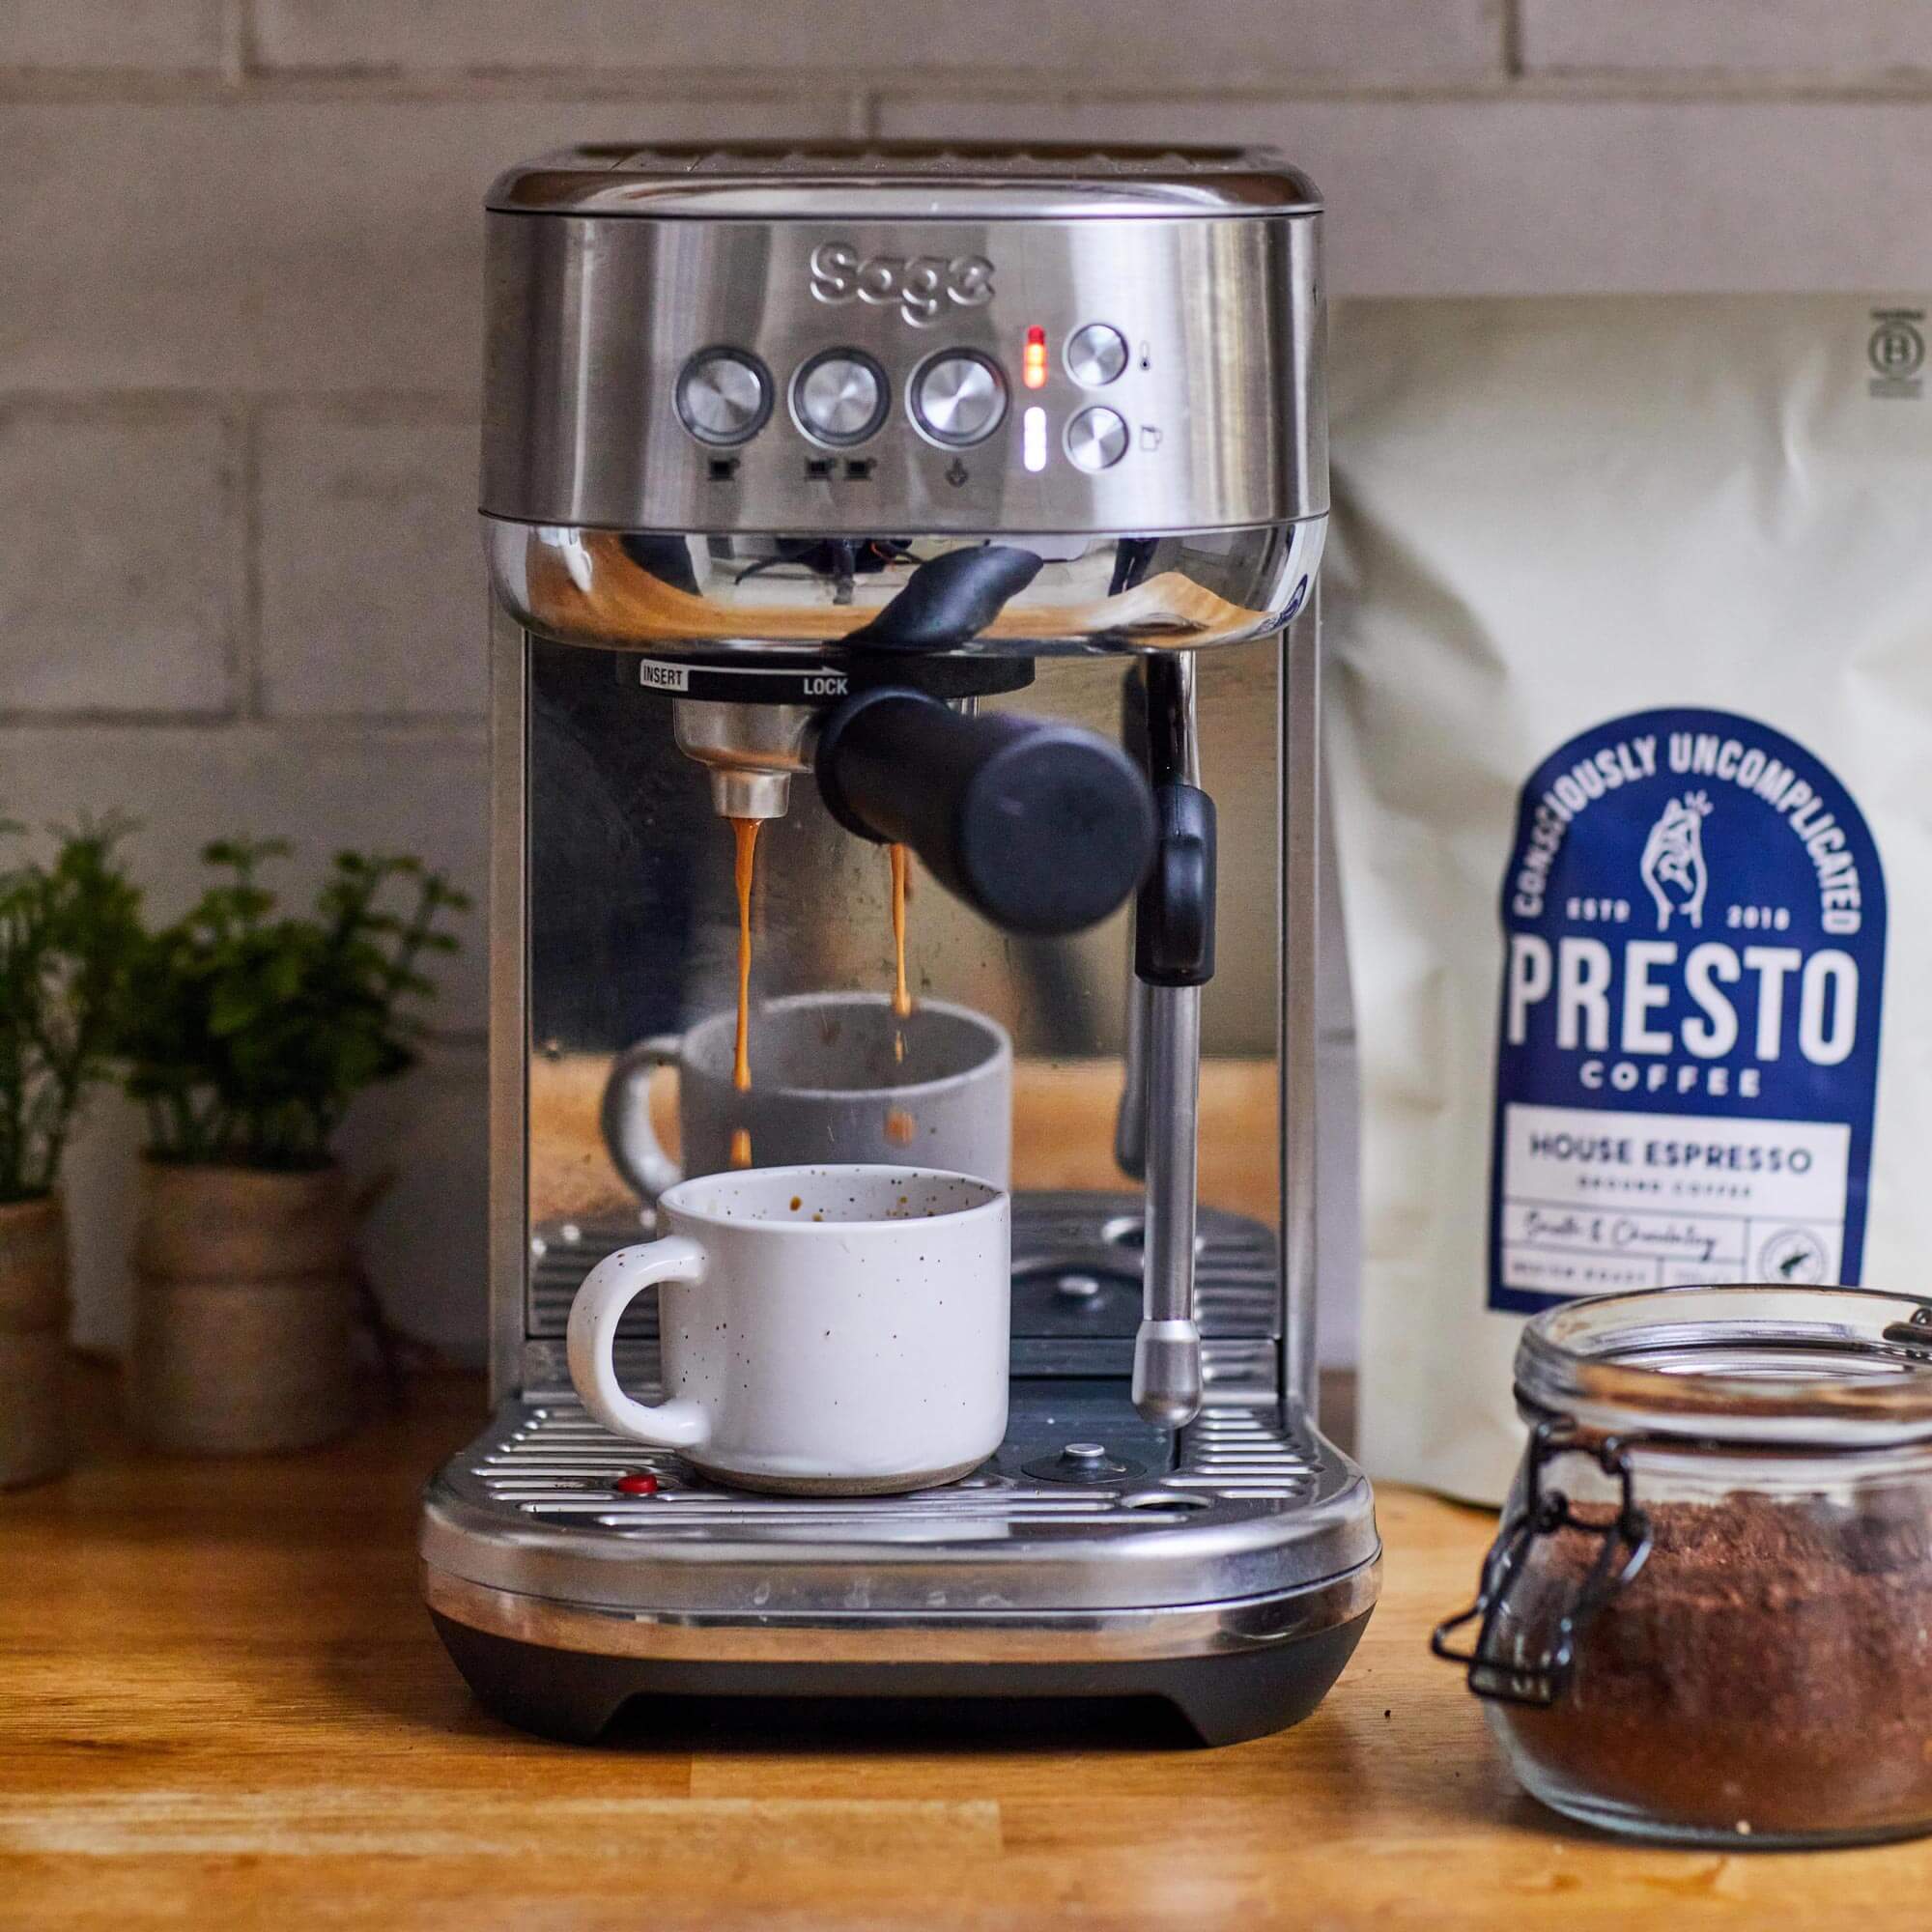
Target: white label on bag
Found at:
1593, 1202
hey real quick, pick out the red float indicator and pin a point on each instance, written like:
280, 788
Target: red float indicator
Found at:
1033, 359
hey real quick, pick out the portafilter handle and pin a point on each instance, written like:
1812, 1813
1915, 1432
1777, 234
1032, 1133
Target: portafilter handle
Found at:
1045, 828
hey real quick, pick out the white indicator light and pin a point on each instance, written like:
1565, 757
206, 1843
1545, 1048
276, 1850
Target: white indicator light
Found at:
1032, 438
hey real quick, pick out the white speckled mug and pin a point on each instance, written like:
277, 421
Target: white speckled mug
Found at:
825, 1330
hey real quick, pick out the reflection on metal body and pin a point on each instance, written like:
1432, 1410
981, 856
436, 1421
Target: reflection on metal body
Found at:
509, 1243
744, 596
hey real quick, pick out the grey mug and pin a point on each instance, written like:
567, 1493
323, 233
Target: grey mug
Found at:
835, 1077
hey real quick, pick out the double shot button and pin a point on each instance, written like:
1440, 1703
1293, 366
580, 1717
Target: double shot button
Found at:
840, 397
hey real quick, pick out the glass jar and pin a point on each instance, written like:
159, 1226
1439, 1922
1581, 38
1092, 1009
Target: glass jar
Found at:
1707, 1616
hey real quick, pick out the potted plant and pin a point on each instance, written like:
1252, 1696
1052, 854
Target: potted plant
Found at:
68, 933
247, 1034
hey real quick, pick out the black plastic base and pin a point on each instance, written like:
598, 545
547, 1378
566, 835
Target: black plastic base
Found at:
1224, 1699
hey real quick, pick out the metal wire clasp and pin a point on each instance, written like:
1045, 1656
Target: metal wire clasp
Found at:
1545, 1510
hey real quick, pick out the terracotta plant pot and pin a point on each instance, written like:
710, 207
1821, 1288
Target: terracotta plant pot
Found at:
35, 1438
244, 1289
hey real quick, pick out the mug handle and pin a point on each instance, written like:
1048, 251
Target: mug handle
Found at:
636, 1151
608, 1289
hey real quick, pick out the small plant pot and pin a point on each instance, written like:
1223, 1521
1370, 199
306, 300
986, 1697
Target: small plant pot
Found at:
36, 1413
245, 1284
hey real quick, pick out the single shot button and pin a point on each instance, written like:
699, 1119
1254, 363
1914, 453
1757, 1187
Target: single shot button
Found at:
724, 397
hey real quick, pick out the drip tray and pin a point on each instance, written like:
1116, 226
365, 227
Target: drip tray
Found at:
1227, 1571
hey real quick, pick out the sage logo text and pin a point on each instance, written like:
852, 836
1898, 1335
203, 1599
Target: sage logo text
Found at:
922, 285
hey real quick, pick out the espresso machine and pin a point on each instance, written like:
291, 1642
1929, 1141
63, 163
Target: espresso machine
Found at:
965, 499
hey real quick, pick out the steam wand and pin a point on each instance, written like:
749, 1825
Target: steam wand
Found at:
1174, 958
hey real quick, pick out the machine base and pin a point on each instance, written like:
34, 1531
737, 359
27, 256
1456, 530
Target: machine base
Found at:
576, 1697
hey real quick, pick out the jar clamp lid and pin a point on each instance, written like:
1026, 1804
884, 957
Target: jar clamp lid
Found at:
1760, 1370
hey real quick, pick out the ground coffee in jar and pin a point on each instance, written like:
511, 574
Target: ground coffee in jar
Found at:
1708, 1615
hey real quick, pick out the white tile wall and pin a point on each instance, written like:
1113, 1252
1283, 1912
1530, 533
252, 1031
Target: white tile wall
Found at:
121, 566
254, 246
1234, 42
169, 37
370, 574
1842, 39
1525, 196
239, 354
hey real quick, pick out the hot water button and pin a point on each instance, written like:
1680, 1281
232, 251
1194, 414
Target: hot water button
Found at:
723, 396
1096, 439
958, 398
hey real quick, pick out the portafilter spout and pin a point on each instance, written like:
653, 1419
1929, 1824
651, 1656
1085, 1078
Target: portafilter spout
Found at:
752, 751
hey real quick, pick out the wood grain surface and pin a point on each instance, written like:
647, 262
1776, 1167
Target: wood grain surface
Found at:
221, 1706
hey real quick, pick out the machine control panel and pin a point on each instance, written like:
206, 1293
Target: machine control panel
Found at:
853, 375
956, 398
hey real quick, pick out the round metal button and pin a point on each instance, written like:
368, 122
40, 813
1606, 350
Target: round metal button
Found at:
1096, 439
723, 396
958, 398
1096, 355
840, 397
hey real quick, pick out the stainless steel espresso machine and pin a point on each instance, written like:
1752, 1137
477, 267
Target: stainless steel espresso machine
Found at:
968, 500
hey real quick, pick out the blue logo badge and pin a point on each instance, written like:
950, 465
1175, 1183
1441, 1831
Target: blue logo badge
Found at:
1693, 958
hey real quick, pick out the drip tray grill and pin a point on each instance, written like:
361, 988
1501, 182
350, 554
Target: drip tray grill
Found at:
549, 1461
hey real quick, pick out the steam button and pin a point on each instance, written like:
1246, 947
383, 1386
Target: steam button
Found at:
958, 398
840, 397
723, 396
1096, 439
1096, 355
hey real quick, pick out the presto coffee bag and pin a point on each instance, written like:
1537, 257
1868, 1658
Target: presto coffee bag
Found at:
1631, 720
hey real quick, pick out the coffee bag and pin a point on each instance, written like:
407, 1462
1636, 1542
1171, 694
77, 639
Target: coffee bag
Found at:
1630, 723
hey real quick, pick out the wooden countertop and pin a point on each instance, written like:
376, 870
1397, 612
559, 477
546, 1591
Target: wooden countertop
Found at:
222, 1706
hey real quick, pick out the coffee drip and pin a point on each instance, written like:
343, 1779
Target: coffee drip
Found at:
899, 1124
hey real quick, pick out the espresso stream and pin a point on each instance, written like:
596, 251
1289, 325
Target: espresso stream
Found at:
745, 835
899, 1124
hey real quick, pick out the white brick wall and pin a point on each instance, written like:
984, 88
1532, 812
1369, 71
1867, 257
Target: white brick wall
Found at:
1237, 43
239, 348
121, 572
1872, 41
370, 574
137, 37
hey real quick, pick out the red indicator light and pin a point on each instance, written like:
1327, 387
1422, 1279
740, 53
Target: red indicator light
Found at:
638, 1483
1033, 362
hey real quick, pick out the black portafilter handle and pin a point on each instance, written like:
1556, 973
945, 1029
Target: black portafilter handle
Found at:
1045, 828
